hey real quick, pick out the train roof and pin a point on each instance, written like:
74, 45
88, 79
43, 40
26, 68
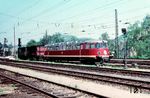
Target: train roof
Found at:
31, 46
95, 41
77, 42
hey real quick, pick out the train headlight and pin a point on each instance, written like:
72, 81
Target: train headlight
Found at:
98, 53
105, 52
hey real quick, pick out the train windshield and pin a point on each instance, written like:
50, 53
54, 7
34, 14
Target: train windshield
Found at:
101, 45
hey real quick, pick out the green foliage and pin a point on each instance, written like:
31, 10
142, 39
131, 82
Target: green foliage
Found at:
138, 38
55, 38
44, 40
68, 38
111, 45
105, 36
111, 42
138, 43
51, 39
1, 45
31, 43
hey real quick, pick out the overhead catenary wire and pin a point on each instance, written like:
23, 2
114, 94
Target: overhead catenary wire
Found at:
72, 23
46, 10
33, 20
32, 17
20, 12
89, 11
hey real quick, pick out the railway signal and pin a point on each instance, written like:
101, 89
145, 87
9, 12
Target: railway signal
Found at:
19, 42
124, 31
4, 46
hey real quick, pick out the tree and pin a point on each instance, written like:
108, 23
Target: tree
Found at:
138, 38
111, 45
56, 38
111, 42
68, 38
105, 36
146, 23
47, 39
31, 43
1, 45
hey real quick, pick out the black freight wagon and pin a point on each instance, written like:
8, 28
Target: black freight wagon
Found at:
27, 52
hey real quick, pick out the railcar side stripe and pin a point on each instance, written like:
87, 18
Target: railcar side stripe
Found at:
92, 56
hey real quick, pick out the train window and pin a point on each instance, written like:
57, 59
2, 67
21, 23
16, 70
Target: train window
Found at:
87, 46
77, 46
98, 45
49, 47
61, 47
74, 47
57, 47
92, 46
52, 47
69, 47
104, 45
81, 46
65, 47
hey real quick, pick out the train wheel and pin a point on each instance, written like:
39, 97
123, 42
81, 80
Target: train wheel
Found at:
100, 63
83, 61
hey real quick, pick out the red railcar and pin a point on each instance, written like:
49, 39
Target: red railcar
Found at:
90, 51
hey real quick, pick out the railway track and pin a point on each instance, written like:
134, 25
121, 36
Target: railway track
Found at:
132, 63
140, 61
49, 89
12, 88
82, 68
135, 80
31, 90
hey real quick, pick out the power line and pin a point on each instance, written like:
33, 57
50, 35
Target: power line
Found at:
30, 20
89, 11
29, 7
46, 10
98, 17
34, 20
22, 11
68, 8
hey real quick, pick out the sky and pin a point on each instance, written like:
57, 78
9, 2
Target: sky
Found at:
31, 18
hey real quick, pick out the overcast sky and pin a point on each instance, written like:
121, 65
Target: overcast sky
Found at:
31, 18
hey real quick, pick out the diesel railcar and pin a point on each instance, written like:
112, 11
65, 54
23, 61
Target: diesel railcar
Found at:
88, 51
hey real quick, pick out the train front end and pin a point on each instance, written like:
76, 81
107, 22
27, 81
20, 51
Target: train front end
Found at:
103, 53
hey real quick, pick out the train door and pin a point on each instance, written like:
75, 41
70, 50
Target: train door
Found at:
81, 49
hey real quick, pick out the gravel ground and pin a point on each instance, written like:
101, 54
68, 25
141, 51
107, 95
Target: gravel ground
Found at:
84, 85
49, 87
13, 90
